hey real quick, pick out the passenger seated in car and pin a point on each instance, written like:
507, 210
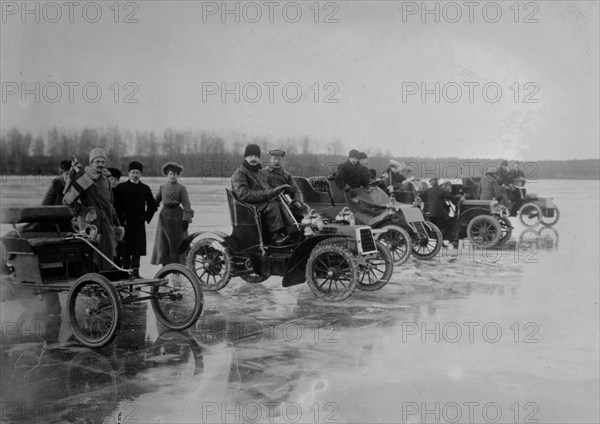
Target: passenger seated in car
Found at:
251, 186
350, 175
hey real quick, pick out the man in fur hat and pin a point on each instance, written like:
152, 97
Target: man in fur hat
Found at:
250, 185
90, 197
134, 204
350, 175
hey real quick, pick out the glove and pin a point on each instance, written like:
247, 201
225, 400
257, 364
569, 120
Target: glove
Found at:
185, 225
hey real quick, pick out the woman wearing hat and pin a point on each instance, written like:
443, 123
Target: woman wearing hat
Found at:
489, 189
174, 217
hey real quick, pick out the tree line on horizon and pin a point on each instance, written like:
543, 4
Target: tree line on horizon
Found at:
208, 154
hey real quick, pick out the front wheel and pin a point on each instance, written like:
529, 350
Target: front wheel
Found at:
427, 246
530, 214
94, 310
178, 301
378, 269
484, 231
551, 217
211, 262
397, 241
332, 272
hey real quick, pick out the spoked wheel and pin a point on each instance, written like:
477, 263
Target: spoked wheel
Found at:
378, 270
94, 310
211, 262
551, 217
506, 228
178, 302
427, 248
397, 241
484, 231
332, 272
530, 214
548, 238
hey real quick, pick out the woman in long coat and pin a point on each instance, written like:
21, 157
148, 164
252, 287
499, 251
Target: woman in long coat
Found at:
489, 189
174, 217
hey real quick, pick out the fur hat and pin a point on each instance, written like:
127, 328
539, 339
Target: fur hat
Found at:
252, 150
136, 165
172, 166
65, 165
354, 154
114, 172
362, 155
97, 152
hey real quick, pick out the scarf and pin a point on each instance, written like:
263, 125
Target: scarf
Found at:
253, 168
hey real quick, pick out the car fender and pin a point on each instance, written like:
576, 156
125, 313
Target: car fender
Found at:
185, 244
296, 265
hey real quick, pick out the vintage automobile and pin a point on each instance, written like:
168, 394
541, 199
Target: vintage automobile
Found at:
336, 260
400, 226
40, 256
484, 222
531, 209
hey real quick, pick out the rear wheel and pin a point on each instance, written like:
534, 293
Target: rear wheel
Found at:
378, 270
211, 262
332, 272
530, 214
178, 301
549, 220
484, 231
397, 241
94, 310
506, 229
427, 248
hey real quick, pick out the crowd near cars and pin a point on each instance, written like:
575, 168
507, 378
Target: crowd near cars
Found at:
337, 238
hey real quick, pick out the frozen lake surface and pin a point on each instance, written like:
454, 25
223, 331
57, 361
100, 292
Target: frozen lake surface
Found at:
508, 336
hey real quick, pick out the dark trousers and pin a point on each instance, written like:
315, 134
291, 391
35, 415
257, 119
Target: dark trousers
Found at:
131, 261
446, 226
272, 214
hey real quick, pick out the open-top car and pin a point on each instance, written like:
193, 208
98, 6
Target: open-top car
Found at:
38, 254
334, 259
401, 227
484, 222
531, 209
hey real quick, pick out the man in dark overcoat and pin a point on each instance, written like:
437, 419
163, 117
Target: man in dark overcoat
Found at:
350, 175
134, 204
438, 208
250, 186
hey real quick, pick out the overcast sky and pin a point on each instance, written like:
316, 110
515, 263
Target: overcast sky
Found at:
361, 77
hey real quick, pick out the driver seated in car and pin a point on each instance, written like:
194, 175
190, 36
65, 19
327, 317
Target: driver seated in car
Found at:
278, 176
250, 186
350, 175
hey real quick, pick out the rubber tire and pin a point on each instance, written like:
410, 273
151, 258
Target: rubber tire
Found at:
551, 221
507, 229
324, 249
387, 256
477, 221
198, 301
432, 228
525, 208
400, 232
115, 304
227, 263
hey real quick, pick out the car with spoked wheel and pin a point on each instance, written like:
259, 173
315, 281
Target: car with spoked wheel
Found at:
334, 259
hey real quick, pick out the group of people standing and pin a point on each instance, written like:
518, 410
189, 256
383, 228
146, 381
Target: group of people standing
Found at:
120, 210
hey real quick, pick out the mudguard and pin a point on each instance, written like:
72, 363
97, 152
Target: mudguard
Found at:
296, 265
466, 216
185, 244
